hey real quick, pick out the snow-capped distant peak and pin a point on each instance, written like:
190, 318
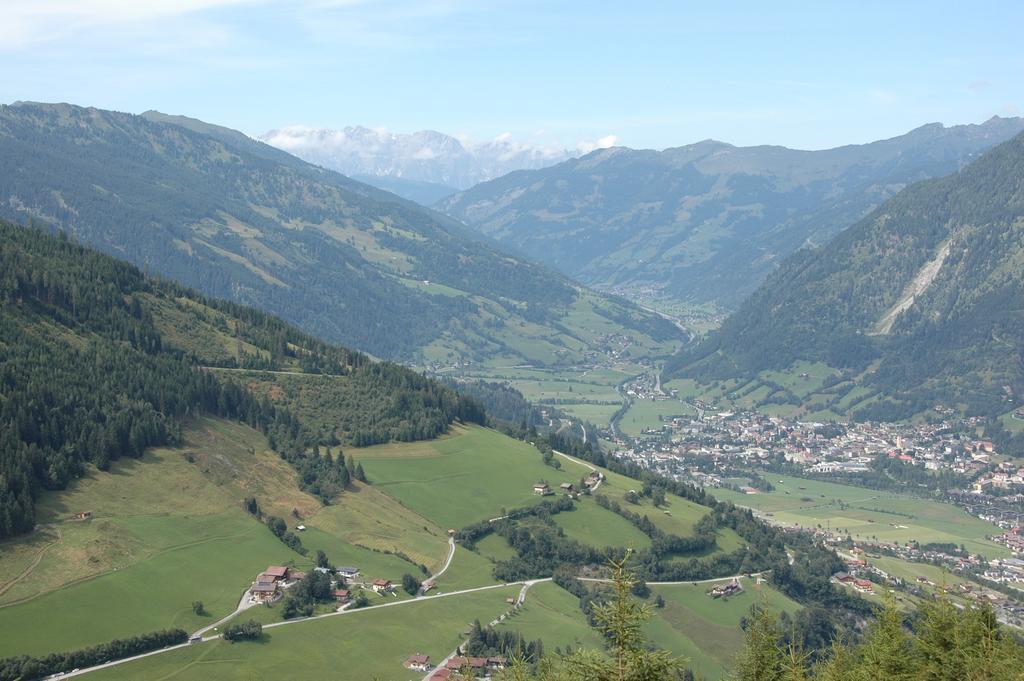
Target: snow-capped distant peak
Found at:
425, 156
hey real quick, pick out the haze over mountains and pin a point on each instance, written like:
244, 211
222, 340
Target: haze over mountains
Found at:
239, 219
706, 222
423, 166
921, 302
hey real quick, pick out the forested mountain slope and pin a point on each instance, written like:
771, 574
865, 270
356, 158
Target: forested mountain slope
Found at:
98, 361
922, 300
708, 221
238, 219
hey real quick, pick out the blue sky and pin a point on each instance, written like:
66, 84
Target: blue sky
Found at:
650, 74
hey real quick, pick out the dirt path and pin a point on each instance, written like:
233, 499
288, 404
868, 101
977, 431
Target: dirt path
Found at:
32, 566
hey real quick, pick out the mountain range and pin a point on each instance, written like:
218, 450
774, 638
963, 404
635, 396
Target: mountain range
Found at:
707, 222
919, 304
236, 218
402, 161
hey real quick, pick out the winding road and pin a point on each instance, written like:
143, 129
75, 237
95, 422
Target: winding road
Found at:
337, 613
519, 602
581, 463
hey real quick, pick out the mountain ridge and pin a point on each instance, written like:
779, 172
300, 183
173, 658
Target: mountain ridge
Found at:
706, 222
422, 156
238, 219
936, 268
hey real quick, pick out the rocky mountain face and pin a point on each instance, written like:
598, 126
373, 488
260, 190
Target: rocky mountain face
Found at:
922, 301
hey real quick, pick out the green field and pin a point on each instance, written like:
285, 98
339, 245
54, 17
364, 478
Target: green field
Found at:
166, 531
362, 645
494, 548
589, 395
707, 630
590, 524
677, 516
153, 593
598, 414
651, 415
868, 514
553, 615
467, 571
468, 476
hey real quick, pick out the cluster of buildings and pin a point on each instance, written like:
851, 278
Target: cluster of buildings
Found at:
726, 439
453, 667
269, 583
730, 588
592, 481
861, 575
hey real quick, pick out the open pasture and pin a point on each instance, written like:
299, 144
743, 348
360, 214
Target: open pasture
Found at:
704, 629
868, 514
362, 645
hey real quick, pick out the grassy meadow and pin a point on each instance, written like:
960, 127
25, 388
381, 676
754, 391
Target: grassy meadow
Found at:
707, 630
361, 645
868, 514
470, 475
169, 528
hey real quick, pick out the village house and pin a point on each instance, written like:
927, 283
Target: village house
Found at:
541, 488
262, 592
341, 595
381, 585
863, 585
729, 589
274, 573
566, 487
419, 663
476, 664
347, 572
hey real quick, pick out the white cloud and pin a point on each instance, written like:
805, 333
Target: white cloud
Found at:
26, 22
587, 146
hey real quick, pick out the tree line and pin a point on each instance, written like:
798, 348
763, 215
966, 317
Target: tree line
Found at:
25, 667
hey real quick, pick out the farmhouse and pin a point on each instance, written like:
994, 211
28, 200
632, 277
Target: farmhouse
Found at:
477, 664
420, 663
541, 488
844, 577
348, 572
593, 479
382, 585
293, 574
862, 585
442, 673
274, 573
729, 589
262, 592
566, 487
341, 595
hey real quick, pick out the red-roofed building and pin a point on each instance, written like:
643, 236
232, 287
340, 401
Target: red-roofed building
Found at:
442, 673
341, 595
276, 571
420, 663
381, 585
